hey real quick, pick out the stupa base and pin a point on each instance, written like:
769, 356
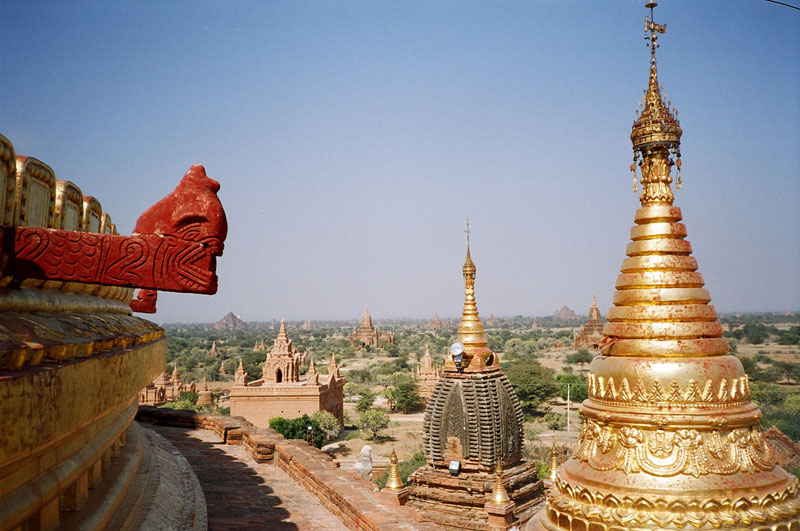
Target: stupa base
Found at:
459, 502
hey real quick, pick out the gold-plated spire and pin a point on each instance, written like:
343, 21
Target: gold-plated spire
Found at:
656, 133
393, 482
671, 438
470, 329
499, 494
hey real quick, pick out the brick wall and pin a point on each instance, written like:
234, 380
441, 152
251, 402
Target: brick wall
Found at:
345, 494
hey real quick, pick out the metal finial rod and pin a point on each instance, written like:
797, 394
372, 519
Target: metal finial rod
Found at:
467, 232
653, 28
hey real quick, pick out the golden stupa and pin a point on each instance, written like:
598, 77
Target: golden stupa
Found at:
671, 439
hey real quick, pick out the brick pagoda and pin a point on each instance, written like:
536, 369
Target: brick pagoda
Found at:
368, 335
428, 375
281, 392
591, 334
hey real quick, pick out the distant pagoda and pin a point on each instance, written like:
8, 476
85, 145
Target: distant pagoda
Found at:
428, 375
281, 392
438, 324
566, 314
166, 387
213, 352
472, 426
230, 322
591, 334
368, 335
671, 439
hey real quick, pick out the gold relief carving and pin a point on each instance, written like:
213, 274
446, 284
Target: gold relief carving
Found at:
725, 394
582, 503
655, 178
664, 453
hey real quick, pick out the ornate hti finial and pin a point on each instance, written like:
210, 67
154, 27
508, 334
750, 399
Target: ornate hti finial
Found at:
470, 329
656, 133
499, 494
394, 482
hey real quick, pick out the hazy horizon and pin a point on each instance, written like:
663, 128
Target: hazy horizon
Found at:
376, 320
351, 141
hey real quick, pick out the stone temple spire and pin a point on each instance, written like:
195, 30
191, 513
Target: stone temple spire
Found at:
470, 329
282, 344
312, 377
366, 319
671, 438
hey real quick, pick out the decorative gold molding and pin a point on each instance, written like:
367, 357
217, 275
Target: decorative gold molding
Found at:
666, 453
721, 393
656, 511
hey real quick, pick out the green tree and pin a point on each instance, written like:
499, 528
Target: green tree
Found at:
578, 390
555, 421
371, 421
366, 400
186, 401
298, 429
791, 406
582, 357
328, 423
755, 333
403, 395
533, 383
353, 389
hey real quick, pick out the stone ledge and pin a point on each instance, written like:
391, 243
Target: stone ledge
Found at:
355, 501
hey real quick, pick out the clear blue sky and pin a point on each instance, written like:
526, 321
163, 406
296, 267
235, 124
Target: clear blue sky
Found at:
352, 139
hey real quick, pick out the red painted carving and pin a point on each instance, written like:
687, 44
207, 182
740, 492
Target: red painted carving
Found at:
145, 301
174, 247
191, 212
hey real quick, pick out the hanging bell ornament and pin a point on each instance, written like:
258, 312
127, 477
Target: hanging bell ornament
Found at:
678, 164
